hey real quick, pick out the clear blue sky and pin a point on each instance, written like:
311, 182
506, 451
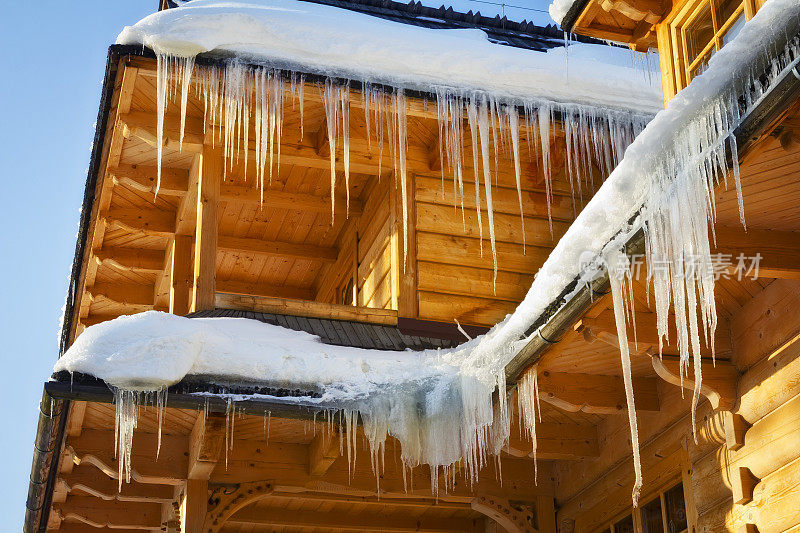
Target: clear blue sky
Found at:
52, 60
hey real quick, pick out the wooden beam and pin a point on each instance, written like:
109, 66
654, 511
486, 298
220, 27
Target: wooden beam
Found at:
134, 294
205, 445
735, 429
147, 221
131, 259
742, 484
595, 394
253, 515
288, 200
281, 306
276, 248
142, 124
778, 250
174, 181
113, 514
718, 382
194, 506
205, 247
77, 411
180, 294
322, 452
559, 441
263, 289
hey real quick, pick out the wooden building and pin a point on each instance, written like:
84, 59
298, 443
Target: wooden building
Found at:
208, 245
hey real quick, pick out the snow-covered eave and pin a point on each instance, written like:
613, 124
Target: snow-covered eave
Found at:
219, 58
572, 14
576, 299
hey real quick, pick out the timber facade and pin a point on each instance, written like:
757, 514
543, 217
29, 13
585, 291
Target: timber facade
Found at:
208, 245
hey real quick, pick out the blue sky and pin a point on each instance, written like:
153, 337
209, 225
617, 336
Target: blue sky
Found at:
52, 60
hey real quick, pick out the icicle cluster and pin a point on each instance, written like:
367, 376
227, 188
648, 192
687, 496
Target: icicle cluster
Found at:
530, 408
594, 139
128, 402
677, 215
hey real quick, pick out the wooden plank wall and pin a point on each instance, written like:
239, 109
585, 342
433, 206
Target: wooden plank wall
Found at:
374, 237
454, 260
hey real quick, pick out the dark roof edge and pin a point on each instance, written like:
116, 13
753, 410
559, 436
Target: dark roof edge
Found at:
568, 23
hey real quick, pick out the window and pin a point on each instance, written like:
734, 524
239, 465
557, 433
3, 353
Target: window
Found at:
663, 512
696, 32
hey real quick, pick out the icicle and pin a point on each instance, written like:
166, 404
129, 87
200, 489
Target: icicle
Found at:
472, 117
161, 404
400, 111
483, 130
187, 67
513, 120
619, 273
125, 423
330, 100
544, 136
344, 94
529, 406
162, 75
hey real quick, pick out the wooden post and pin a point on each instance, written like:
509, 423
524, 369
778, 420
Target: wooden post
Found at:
205, 246
180, 293
194, 506
546, 513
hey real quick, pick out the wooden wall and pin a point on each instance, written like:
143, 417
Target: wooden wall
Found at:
374, 238
454, 259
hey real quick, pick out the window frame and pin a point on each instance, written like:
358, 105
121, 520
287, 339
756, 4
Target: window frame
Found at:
673, 41
679, 472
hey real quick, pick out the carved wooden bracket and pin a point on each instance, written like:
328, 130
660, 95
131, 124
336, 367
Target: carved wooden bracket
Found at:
225, 501
633, 13
512, 518
718, 382
596, 394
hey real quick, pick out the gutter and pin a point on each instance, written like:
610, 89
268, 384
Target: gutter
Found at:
546, 331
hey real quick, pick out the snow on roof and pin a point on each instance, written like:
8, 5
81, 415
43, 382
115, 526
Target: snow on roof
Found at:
559, 8
150, 350
315, 38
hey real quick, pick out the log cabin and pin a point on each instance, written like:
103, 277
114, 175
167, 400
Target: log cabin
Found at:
397, 257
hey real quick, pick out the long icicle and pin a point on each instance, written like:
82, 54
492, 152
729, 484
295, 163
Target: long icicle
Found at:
619, 273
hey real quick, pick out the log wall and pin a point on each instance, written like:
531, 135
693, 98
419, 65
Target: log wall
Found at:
727, 484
